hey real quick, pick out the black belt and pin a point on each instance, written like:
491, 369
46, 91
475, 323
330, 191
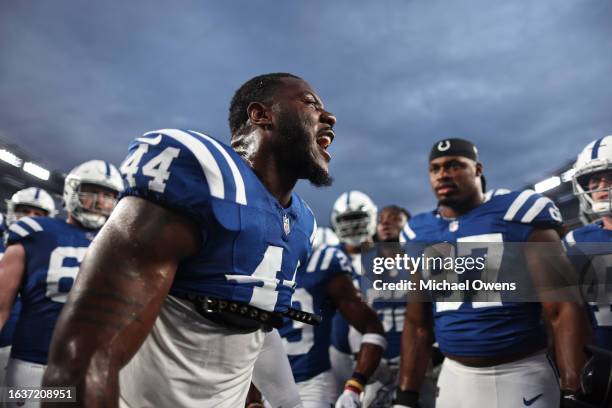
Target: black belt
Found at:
246, 318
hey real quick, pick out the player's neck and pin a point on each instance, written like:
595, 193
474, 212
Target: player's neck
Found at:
607, 222
458, 209
278, 181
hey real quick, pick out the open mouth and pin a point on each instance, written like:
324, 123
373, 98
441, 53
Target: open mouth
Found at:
324, 139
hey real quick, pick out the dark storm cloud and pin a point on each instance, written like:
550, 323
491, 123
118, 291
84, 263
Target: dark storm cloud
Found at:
526, 81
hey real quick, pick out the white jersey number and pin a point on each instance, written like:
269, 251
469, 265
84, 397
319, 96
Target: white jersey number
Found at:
156, 168
306, 341
494, 258
59, 277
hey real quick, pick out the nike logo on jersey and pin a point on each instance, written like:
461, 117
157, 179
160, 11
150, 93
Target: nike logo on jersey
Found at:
531, 401
154, 141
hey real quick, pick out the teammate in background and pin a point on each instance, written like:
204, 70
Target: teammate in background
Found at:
354, 215
203, 248
324, 286
353, 219
592, 183
391, 221
29, 202
42, 260
495, 354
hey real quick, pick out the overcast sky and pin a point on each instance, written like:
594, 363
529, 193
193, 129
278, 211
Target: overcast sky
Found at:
528, 82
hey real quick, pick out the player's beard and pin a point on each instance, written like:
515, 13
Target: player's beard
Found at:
296, 149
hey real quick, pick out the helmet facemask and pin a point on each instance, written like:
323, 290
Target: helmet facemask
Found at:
353, 228
88, 208
580, 184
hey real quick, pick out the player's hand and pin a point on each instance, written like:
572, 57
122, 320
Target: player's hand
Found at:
348, 399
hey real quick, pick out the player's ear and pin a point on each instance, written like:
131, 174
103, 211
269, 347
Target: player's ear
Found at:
479, 169
259, 115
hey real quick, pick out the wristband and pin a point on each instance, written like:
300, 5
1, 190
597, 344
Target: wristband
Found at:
359, 377
406, 397
373, 338
354, 385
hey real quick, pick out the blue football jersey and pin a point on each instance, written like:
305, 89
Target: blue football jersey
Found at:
251, 245
54, 250
390, 313
308, 346
489, 328
599, 256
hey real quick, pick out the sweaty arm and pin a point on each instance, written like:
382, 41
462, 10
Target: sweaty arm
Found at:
417, 339
568, 320
12, 269
122, 284
361, 316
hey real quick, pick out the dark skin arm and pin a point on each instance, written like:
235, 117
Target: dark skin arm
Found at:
359, 315
417, 340
568, 320
122, 284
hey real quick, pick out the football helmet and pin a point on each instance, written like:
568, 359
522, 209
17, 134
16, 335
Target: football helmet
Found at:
325, 236
94, 172
353, 218
595, 158
33, 197
596, 382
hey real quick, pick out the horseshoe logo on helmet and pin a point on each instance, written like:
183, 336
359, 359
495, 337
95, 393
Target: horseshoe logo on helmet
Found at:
444, 145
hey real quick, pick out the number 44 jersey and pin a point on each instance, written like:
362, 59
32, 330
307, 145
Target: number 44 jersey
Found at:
485, 328
251, 245
54, 250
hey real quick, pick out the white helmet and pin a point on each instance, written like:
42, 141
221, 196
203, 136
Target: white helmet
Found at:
325, 236
353, 218
96, 172
596, 157
33, 197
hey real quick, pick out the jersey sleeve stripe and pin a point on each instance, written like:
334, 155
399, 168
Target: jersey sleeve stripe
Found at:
517, 204
327, 258
238, 180
17, 229
31, 223
314, 260
535, 209
409, 232
209, 165
314, 231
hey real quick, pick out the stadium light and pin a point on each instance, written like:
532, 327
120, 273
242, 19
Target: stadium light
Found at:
567, 176
36, 170
547, 184
10, 158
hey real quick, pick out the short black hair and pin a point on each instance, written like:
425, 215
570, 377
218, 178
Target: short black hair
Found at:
257, 89
398, 209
